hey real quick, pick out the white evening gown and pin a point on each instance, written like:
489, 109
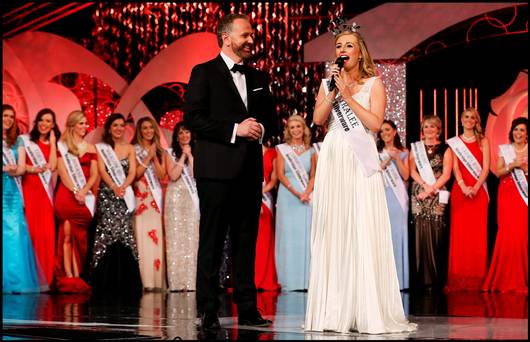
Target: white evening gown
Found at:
353, 284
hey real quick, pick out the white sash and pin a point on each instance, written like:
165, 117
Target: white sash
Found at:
73, 167
117, 173
354, 129
8, 158
188, 180
37, 158
317, 147
393, 180
422, 162
266, 198
507, 151
150, 176
467, 158
295, 164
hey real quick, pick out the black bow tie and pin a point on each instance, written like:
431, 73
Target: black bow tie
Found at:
239, 67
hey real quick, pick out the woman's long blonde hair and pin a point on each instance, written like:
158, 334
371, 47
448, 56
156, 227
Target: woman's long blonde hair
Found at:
477, 130
68, 136
287, 135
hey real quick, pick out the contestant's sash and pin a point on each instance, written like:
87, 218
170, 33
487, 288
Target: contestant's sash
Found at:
188, 180
422, 162
37, 159
73, 167
295, 164
467, 158
117, 173
317, 147
393, 180
8, 158
150, 176
354, 129
266, 198
507, 151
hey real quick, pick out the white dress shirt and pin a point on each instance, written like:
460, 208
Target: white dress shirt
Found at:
241, 85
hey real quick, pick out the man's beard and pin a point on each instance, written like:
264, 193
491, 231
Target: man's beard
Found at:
238, 50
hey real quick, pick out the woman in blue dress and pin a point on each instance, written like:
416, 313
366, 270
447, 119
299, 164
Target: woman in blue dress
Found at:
391, 151
296, 164
20, 271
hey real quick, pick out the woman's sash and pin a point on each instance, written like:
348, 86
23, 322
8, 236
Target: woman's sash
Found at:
295, 165
73, 167
468, 159
150, 176
188, 180
266, 198
116, 172
394, 181
422, 162
507, 151
356, 134
8, 158
37, 159
317, 147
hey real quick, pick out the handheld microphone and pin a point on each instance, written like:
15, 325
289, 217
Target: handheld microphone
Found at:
340, 63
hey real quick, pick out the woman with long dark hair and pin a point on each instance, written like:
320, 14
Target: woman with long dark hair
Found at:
115, 263
395, 166
41, 162
508, 271
181, 214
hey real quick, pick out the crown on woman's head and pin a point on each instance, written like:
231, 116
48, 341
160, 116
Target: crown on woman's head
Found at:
340, 25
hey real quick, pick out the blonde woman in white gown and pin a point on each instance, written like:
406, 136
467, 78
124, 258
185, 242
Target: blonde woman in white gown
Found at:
353, 284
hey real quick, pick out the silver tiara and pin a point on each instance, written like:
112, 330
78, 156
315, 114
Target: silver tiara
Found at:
340, 25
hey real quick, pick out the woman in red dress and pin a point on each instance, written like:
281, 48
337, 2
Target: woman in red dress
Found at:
468, 240
508, 271
72, 206
265, 270
38, 194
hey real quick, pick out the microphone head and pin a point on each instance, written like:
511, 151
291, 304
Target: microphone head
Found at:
340, 60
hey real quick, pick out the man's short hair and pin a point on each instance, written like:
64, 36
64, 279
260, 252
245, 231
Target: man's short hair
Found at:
225, 25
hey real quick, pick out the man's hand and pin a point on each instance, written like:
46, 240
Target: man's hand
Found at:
249, 129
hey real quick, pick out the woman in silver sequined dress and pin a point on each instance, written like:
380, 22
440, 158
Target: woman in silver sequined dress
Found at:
181, 214
115, 262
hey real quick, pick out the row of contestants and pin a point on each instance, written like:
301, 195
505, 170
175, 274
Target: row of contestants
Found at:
467, 158
293, 214
128, 249
467, 261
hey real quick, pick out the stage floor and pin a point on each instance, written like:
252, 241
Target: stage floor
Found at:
158, 315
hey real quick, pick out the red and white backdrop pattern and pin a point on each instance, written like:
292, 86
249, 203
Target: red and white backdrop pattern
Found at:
137, 47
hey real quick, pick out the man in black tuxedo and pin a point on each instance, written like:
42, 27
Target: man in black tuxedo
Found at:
230, 108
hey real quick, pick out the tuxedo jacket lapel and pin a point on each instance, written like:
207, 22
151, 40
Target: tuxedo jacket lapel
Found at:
249, 80
227, 74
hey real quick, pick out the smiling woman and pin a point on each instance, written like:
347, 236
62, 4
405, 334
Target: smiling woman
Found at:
115, 263
74, 204
41, 149
20, 269
352, 283
296, 165
150, 171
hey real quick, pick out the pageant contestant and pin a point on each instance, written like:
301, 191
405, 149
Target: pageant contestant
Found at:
353, 285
